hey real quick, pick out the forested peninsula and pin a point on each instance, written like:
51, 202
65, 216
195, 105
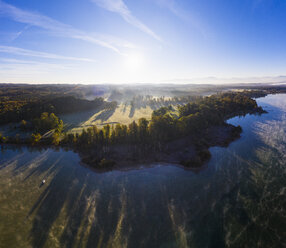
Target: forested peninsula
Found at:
182, 136
174, 134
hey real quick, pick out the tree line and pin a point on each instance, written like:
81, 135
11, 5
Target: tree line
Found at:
15, 111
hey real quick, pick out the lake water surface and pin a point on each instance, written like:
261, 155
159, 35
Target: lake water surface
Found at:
238, 200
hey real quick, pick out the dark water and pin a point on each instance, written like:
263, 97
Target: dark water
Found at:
237, 201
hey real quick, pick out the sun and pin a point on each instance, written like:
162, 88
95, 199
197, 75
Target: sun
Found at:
134, 61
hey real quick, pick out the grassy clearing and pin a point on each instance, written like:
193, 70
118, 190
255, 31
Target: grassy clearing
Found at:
123, 114
75, 122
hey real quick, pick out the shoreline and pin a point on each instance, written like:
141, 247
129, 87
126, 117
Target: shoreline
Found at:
184, 155
190, 153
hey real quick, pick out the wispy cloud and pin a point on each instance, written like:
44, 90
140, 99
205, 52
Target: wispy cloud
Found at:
35, 71
18, 70
174, 7
55, 27
18, 34
31, 72
11, 64
31, 53
119, 7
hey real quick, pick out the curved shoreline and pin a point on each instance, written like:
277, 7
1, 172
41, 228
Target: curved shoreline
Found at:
190, 153
184, 154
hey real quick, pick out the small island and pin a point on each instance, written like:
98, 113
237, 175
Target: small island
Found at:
180, 134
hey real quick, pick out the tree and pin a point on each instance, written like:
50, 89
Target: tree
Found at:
48, 122
23, 125
118, 132
2, 138
133, 132
35, 138
162, 128
143, 130
106, 132
56, 138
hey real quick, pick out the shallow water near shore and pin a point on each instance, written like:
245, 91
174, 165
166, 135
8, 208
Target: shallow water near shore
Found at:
237, 200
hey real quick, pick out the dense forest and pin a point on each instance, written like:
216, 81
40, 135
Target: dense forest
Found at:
28, 92
15, 111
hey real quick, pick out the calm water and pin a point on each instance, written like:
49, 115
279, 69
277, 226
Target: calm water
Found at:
237, 201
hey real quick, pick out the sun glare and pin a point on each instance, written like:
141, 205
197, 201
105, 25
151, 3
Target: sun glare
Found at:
134, 61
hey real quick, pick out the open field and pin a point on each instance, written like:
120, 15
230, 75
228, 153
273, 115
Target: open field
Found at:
123, 114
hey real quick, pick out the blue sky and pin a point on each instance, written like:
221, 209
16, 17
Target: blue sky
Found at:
125, 41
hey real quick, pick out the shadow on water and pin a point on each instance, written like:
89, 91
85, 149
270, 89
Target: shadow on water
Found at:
88, 209
111, 210
97, 214
148, 208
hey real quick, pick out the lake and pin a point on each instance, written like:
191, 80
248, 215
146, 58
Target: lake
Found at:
237, 200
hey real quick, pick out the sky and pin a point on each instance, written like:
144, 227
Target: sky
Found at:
140, 41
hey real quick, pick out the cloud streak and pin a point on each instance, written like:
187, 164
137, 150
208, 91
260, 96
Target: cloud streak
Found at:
12, 64
18, 34
31, 53
55, 27
119, 7
174, 8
